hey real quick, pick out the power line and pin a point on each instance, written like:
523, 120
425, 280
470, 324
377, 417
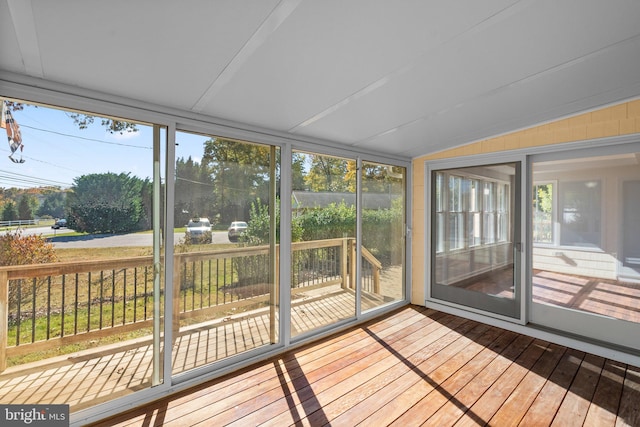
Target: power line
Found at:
21, 178
86, 139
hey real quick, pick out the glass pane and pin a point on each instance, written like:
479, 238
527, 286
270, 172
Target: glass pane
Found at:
543, 213
81, 202
323, 232
224, 264
478, 251
594, 267
580, 216
383, 223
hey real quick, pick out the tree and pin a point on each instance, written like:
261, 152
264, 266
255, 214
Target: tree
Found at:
375, 178
297, 172
239, 172
9, 213
24, 208
107, 203
328, 174
52, 205
84, 120
194, 191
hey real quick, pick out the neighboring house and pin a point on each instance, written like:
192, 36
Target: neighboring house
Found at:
309, 200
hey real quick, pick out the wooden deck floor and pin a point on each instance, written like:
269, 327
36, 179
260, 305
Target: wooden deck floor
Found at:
414, 367
103, 373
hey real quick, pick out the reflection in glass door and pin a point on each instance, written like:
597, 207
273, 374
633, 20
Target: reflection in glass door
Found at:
586, 268
476, 237
323, 230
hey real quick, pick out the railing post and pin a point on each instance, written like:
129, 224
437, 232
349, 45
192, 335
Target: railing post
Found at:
354, 262
176, 296
376, 280
345, 262
4, 318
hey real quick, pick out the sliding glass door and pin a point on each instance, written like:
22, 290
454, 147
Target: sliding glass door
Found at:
475, 237
225, 253
586, 244
323, 248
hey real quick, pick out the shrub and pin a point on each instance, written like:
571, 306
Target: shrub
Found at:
334, 221
19, 249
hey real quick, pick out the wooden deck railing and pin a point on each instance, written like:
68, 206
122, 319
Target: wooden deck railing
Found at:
44, 306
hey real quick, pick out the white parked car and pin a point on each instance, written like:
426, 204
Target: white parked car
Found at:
236, 229
198, 231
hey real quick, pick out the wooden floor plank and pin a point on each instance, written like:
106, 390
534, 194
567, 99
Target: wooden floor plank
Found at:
415, 367
315, 398
456, 408
520, 399
430, 403
576, 402
396, 405
606, 400
243, 404
629, 411
494, 397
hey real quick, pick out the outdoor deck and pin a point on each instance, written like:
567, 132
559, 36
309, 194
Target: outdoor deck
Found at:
96, 375
414, 367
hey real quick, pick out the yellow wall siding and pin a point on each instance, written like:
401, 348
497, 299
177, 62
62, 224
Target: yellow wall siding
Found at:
621, 119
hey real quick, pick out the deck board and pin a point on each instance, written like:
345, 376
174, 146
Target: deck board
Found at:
415, 367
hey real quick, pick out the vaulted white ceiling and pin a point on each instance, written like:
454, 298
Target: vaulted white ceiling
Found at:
400, 77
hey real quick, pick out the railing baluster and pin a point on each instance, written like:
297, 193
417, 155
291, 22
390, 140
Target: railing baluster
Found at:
63, 305
209, 282
135, 293
48, 307
146, 294
224, 280
19, 302
101, 302
201, 282
33, 312
124, 297
217, 281
88, 301
184, 289
113, 298
75, 307
193, 286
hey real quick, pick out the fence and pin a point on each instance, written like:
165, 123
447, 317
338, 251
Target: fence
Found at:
44, 306
19, 222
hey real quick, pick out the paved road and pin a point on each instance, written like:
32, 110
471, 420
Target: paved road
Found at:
109, 240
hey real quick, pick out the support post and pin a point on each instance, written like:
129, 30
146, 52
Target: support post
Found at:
4, 318
345, 263
176, 297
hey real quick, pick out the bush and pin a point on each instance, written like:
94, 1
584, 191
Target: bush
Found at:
18, 249
257, 232
334, 221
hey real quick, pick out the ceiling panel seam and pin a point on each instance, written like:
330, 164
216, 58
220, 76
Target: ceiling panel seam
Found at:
479, 26
269, 26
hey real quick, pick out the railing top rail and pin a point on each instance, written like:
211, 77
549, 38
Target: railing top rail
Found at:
60, 268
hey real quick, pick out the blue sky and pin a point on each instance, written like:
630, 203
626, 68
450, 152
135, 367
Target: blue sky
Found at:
56, 151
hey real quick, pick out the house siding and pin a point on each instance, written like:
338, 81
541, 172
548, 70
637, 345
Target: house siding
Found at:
616, 120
